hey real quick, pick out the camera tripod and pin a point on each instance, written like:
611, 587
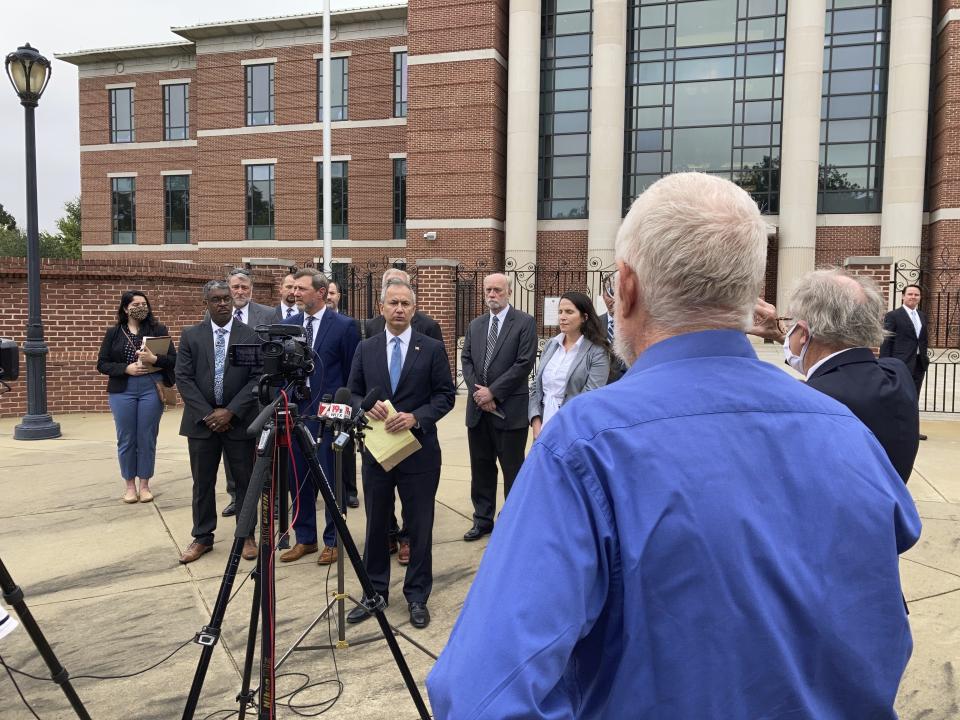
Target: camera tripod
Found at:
280, 419
13, 596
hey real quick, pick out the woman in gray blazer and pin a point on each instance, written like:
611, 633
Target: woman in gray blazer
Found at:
576, 360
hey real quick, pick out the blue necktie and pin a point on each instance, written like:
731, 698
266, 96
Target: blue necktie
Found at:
219, 358
396, 363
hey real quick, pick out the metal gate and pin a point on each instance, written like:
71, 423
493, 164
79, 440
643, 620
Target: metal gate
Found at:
939, 282
360, 286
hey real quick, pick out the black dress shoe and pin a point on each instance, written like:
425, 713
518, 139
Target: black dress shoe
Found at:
353, 502
360, 613
230, 510
419, 615
475, 533
922, 436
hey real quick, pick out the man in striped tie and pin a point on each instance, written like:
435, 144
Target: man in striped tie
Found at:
498, 354
617, 366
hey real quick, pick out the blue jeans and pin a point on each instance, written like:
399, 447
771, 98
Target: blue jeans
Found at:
136, 414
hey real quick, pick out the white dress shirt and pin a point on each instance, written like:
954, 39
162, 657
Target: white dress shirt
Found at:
226, 327
405, 337
318, 318
555, 377
817, 364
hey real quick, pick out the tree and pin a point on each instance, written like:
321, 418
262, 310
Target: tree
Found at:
7, 221
69, 227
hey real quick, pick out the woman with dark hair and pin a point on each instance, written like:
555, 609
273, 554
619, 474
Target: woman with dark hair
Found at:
134, 372
576, 360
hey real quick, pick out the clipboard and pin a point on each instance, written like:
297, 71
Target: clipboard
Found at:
159, 345
389, 449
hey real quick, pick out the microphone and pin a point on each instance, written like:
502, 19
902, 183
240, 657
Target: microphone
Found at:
339, 410
369, 400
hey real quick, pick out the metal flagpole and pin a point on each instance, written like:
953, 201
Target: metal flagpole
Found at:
327, 145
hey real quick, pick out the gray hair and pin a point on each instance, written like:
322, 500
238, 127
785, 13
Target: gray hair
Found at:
397, 283
318, 279
698, 245
394, 273
214, 285
240, 272
842, 310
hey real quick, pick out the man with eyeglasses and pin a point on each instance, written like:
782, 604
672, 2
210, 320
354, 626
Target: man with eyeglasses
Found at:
617, 366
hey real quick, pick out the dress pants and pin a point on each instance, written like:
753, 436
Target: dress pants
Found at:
205, 454
418, 491
918, 372
489, 444
136, 415
304, 490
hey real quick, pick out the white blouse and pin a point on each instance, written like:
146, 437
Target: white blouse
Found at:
555, 377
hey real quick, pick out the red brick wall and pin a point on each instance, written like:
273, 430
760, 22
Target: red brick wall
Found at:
79, 302
834, 244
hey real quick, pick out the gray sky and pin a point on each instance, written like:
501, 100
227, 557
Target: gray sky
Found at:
62, 26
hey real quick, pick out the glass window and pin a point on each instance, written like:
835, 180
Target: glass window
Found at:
339, 89
565, 106
124, 210
176, 216
400, 84
704, 92
176, 112
121, 115
708, 22
338, 200
400, 198
260, 94
853, 107
260, 202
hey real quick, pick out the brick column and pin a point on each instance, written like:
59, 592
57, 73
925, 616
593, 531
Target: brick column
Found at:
437, 297
877, 268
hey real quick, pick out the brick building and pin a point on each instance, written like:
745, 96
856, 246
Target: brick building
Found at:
520, 131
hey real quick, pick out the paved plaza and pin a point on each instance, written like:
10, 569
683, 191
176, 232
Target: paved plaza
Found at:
104, 582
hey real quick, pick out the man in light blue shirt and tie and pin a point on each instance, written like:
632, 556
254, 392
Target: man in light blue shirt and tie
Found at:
705, 538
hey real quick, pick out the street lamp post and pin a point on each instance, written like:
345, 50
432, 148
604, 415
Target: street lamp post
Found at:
29, 72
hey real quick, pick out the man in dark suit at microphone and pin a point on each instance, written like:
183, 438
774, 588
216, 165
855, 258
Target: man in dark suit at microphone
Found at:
414, 373
333, 338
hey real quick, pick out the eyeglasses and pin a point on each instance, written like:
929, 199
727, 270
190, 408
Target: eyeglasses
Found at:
221, 301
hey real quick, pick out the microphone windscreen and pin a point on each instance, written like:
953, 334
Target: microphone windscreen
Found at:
328, 398
370, 399
343, 396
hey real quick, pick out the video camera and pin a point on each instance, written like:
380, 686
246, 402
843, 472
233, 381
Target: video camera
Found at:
9, 360
284, 354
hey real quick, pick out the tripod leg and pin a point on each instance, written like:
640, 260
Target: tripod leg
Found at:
13, 596
375, 603
245, 697
341, 590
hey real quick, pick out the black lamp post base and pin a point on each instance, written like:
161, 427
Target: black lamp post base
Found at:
37, 427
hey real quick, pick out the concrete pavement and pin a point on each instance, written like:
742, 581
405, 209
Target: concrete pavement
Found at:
104, 582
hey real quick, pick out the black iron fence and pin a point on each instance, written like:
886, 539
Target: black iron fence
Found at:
360, 286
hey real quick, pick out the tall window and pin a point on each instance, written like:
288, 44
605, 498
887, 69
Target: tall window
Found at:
853, 106
124, 210
400, 198
176, 203
564, 108
339, 89
260, 94
260, 194
176, 112
705, 92
400, 84
121, 115
338, 199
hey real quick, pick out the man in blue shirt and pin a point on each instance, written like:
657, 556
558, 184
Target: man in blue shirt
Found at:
729, 537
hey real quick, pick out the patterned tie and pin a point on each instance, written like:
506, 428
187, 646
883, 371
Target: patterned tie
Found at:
310, 331
915, 317
289, 311
220, 356
396, 365
491, 343
610, 329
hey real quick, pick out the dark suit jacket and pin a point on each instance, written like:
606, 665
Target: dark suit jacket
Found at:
111, 360
425, 389
422, 323
509, 371
617, 366
334, 344
882, 394
195, 372
904, 343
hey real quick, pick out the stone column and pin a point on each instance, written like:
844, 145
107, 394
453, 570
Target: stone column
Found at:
607, 99
800, 147
523, 131
905, 142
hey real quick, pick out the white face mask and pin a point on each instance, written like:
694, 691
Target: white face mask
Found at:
794, 361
